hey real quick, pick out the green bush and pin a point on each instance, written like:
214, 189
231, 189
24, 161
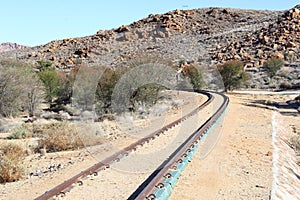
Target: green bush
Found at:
21, 132
272, 66
105, 89
194, 76
147, 95
51, 83
43, 65
233, 74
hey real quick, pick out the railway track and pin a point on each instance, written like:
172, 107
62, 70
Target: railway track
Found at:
159, 183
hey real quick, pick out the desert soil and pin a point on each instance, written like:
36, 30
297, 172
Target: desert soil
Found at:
238, 167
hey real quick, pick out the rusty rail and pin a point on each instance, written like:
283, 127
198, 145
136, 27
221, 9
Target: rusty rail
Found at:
147, 189
67, 185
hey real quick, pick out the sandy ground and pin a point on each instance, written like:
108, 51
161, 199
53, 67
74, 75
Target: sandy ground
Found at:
240, 165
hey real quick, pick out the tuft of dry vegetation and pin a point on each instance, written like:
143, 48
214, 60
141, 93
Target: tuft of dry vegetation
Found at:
58, 136
62, 136
295, 141
11, 157
21, 132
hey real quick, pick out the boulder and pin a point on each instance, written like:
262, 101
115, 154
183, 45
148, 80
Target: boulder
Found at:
123, 29
265, 39
278, 55
291, 45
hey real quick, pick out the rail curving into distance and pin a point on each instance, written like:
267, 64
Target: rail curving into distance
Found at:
160, 183
156, 181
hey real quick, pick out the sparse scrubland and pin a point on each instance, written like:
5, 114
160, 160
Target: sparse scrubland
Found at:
54, 87
39, 91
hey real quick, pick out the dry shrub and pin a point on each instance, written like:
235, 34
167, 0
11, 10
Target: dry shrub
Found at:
109, 117
21, 132
285, 85
11, 169
59, 136
295, 142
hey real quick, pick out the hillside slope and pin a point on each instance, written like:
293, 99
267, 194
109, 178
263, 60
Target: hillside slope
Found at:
210, 35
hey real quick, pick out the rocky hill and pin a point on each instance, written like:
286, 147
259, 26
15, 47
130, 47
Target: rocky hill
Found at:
8, 46
210, 35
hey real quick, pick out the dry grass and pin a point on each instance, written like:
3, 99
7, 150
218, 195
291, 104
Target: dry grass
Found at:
21, 132
11, 169
59, 137
295, 142
63, 136
109, 117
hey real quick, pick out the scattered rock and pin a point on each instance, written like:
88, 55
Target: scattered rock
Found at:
269, 153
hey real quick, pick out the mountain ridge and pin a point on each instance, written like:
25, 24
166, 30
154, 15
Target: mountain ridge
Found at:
10, 46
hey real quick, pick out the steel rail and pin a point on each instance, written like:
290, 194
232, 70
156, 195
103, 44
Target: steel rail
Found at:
67, 185
155, 181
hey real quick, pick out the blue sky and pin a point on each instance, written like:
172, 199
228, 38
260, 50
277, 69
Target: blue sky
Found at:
36, 22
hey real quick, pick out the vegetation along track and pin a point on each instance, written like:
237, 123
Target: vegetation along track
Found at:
156, 185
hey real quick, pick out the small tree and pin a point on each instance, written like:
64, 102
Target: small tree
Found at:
194, 75
232, 74
10, 92
66, 83
146, 94
50, 79
105, 89
272, 66
33, 91
84, 89
20, 89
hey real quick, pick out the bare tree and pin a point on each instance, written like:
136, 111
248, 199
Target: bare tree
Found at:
20, 89
10, 92
33, 95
